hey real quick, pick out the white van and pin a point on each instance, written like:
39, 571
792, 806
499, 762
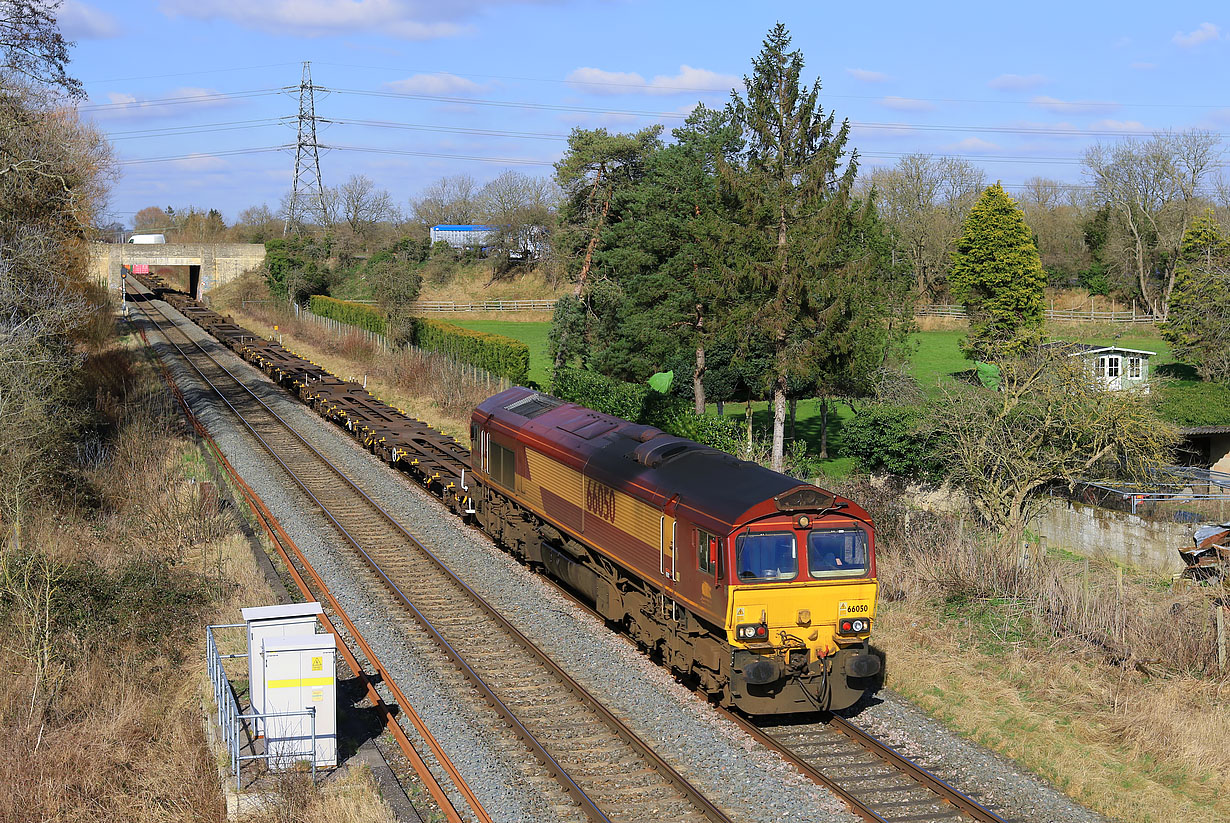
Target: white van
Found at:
147, 239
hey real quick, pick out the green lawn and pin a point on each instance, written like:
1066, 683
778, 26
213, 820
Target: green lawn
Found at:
936, 357
533, 333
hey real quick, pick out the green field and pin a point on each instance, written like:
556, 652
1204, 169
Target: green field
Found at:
532, 333
935, 358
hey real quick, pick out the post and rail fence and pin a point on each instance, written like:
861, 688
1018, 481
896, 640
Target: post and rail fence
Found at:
1090, 315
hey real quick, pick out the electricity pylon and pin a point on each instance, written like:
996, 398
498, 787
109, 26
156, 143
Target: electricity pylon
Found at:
307, 190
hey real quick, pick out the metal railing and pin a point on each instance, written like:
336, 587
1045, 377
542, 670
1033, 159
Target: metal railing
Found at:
1089, 315
1184, 494
234, 723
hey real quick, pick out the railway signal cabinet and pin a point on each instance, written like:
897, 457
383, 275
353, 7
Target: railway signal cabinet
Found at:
300, 674
265, 622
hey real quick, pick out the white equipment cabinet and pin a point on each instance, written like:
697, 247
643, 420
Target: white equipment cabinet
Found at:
299, 674
266, 622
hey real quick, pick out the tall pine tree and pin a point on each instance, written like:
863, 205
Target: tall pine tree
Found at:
814, 278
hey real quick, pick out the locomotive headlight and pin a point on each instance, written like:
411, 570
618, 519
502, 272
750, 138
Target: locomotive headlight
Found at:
752, 631
854, 625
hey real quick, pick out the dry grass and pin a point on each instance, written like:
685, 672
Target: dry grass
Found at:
471, 283
1101, 679
102, 607
426, 386
352, 798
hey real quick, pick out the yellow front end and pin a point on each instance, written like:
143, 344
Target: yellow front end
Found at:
789, 653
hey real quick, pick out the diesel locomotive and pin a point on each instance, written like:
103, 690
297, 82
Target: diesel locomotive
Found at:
758, 587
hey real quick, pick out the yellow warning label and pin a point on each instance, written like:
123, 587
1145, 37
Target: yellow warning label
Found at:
318, 695
317, 664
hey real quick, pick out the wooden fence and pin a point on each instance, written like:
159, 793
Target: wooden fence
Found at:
1089, 315
485, 305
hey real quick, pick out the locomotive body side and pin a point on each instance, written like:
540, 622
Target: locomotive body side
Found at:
652, 530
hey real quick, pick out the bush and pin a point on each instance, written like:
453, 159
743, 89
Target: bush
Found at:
641, 404
354, 314
494, 352
1190, 403
895, 440
1095, 279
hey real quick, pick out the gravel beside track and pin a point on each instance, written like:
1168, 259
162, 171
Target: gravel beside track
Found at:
729, 767
995, 780
734, 771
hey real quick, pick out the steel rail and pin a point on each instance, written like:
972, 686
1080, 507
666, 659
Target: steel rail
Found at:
944, 792
944, 789
279, 539
658, 764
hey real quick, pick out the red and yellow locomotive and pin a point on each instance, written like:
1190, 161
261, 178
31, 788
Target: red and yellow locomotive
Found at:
761, 588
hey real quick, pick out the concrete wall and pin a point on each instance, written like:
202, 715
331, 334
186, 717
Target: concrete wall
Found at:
1094, 531
220, 262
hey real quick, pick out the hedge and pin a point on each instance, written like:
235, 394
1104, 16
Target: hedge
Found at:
494, 352
1189, 403
641, 404
343, 311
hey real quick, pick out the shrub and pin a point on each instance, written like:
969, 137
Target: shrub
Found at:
641, 404
494, 352
894, 440
344, 311
1191, 403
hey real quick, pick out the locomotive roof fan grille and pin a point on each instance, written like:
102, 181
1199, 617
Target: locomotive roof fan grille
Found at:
533, 405
806, 498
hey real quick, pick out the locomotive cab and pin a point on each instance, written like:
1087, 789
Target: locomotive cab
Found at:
801, 605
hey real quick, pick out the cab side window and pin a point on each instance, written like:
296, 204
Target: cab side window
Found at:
503, 468
708, 547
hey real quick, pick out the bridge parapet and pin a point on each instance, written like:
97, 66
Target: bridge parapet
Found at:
216, 263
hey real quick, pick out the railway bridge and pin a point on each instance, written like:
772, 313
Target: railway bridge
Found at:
208, 264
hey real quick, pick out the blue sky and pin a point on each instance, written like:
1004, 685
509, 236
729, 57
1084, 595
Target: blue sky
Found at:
1019, 89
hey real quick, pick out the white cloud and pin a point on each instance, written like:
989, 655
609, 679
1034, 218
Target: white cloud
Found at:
122, 105
1141, 66
906, 104
1202, 34
79, 21
974, 144
1057, 106
867, 76
1118, 125
407, 19
439, 83
1017, 82
689, 80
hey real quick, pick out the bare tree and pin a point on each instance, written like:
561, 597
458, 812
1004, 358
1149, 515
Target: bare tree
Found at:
448, 200
32, 47
924, 200
1057, 221
1154, 189
1050, 422
257, 224
522, 208
361, 205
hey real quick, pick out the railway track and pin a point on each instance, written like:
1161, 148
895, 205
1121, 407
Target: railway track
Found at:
605, 772
878, 783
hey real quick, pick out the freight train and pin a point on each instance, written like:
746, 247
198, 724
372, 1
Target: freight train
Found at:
758, 588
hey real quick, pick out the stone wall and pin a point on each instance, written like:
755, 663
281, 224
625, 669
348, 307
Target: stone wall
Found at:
1129, 538
220, 262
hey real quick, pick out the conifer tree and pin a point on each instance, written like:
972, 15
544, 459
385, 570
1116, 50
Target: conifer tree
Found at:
1198, 326
998, 276
813, 281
